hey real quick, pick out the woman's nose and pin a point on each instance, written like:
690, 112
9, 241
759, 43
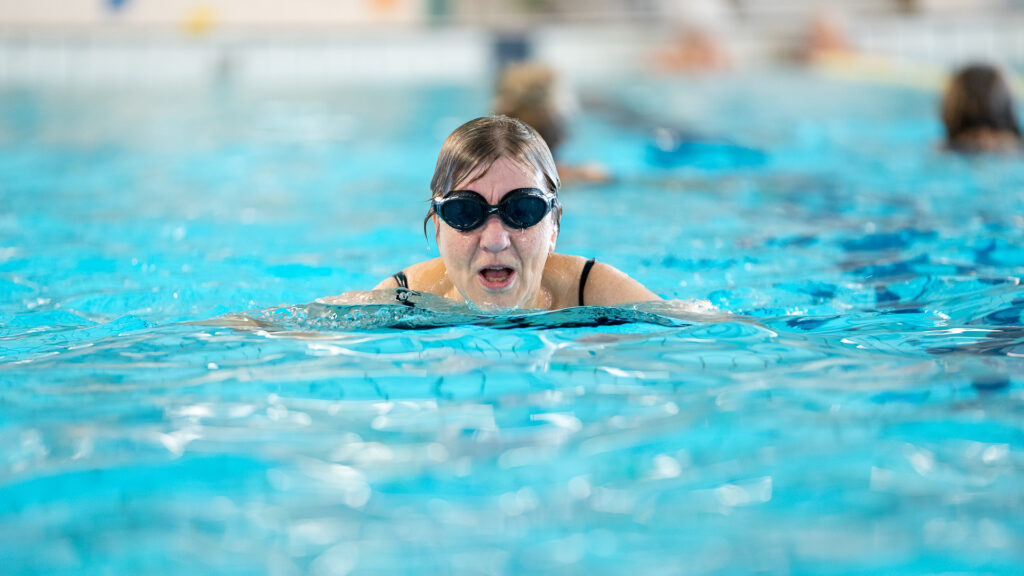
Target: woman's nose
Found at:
494, 237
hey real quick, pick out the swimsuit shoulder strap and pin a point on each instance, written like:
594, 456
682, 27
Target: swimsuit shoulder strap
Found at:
399, 277
583, 277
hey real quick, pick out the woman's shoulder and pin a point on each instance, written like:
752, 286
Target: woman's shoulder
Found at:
574, 282
608, 286
987, 140
426, 276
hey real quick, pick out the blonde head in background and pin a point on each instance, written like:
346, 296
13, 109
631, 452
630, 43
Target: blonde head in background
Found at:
532, 93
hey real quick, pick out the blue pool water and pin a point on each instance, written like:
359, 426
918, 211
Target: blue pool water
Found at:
172, 402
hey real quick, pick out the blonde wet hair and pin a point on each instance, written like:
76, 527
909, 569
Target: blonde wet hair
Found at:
476, 145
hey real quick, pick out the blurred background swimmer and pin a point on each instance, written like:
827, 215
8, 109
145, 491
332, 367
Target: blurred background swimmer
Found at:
700, 37
978, 111
826, 39
533, 93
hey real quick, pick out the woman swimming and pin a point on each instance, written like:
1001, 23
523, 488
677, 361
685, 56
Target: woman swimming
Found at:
496, 214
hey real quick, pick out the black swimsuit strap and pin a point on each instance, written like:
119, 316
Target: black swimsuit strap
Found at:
399, 277
403, 282
583, 277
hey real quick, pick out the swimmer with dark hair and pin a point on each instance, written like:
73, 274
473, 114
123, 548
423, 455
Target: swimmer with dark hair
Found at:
978, 112
495, 210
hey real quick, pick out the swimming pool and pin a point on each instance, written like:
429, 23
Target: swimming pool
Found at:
169, 404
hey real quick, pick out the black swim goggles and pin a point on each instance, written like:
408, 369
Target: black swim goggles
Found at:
521, 208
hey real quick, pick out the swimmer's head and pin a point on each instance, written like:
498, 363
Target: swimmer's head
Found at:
532, 93
470, 151
978, 107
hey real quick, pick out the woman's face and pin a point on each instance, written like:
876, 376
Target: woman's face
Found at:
496, 266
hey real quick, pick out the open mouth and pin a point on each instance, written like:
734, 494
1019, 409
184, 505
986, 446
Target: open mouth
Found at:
496, 277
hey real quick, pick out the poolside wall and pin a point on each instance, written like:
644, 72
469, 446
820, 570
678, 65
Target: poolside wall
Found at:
410, 41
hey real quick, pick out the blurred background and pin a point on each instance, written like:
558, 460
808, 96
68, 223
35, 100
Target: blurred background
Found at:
352, 41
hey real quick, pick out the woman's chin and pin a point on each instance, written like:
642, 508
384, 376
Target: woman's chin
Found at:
490, 298
494, 306
496, 303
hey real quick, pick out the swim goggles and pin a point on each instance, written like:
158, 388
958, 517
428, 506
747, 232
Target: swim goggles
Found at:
521, 208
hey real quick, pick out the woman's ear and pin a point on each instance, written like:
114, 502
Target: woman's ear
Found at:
557, 215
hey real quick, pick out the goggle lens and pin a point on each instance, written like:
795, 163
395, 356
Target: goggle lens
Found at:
462, 214
525, 211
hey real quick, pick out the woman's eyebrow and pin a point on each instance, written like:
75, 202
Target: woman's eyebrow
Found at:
462, 191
